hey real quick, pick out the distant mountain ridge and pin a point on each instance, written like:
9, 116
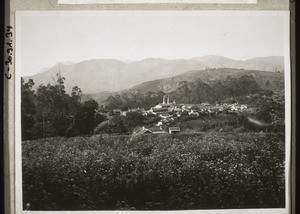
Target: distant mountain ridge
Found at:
272, 81
98, 75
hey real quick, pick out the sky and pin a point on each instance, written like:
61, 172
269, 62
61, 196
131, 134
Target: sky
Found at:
44, 39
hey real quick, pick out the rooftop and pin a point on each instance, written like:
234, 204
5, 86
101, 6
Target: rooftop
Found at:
174, 128
155, 129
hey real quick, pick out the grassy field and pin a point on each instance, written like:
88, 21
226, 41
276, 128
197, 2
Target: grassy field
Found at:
155, 172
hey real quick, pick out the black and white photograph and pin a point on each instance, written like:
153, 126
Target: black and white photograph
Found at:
152, 111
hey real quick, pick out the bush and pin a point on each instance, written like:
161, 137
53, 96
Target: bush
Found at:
155, 172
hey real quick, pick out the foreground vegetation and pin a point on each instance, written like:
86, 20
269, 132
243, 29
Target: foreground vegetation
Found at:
150, 172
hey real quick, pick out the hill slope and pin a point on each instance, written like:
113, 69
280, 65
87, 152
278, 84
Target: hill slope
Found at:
99, 75
265, 80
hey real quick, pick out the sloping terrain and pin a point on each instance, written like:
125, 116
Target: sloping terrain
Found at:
98, 75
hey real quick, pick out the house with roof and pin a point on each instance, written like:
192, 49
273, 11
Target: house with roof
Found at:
174, 129
176, 109
142, 130
150, 130
194, 113
157, 130
117, 111
194, 108
138, 110
164, 115
159, 110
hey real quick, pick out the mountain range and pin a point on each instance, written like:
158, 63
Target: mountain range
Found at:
109, 75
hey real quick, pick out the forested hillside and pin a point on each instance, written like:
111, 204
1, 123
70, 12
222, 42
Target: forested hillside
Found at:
215, 79
196, 91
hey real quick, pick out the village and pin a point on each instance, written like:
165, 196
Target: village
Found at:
163, 118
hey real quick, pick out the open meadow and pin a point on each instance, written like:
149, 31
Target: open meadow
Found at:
210, 170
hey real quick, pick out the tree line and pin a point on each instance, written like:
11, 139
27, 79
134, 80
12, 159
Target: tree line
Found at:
49, 111
136, 99
215, 91
188, 92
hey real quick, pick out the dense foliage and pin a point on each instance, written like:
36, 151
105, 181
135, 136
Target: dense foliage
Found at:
189, 92
136, 99
147, 172
50, 111
271, 106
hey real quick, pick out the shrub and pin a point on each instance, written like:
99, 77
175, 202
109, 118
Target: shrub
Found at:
155, 172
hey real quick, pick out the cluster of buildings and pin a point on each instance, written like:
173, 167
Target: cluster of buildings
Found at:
169, 113
165, 109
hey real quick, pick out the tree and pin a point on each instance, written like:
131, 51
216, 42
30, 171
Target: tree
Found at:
247, 85
232, 86
76, 93
75, 101
28, 109
50, 111
202, 92
134, 119
86, 119
137, 99
184, 91
112, 102
118, 124
53, 109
